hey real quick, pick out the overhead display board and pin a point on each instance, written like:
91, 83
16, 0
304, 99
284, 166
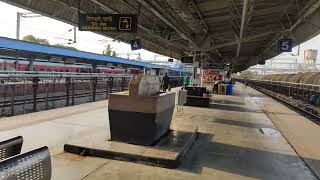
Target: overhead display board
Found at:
108, 22
187, 59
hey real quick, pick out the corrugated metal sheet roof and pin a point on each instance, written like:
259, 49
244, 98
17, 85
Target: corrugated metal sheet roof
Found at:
7, 43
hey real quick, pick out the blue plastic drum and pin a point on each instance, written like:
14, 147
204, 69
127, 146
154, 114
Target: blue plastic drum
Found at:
314, 100
229, 89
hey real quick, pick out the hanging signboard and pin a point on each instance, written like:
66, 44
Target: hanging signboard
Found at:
187, 59
108, 22
285, 45
210, 75
135, 44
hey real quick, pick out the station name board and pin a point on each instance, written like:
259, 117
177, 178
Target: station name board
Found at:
108, 22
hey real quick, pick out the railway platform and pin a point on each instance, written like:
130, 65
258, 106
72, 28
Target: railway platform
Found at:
244, 136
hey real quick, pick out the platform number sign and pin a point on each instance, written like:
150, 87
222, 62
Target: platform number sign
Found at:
285, 45
135, 44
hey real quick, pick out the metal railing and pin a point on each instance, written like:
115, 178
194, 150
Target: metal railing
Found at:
297, 91
24, 92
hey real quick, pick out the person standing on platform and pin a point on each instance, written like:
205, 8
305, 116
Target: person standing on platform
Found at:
165, 81
246, 81
215, 86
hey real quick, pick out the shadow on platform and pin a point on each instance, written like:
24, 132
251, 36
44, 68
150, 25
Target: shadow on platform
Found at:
233, 108
168, 152
241, 123
220, 101
243, 161
257, 95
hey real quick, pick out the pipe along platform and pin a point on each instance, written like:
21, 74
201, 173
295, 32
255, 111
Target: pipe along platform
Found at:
140, 128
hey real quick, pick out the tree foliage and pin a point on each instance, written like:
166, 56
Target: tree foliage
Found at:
108, 51
64, 46
249, 74
31, 38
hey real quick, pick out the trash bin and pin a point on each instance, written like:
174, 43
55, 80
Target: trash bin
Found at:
222, 89
229, 89
314, 100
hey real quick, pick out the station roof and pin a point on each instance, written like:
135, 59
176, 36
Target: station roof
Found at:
240, 32
36, 50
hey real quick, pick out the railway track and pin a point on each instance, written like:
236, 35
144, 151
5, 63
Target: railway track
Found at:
31, 92
43, 98
298, 101
19, 98
297, 106
25, 105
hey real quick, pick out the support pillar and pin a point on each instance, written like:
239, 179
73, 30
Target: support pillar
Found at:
30, 65
35, 85
94, 67
18, 38
144, 71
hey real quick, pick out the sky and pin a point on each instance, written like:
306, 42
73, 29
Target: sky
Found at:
57, 32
